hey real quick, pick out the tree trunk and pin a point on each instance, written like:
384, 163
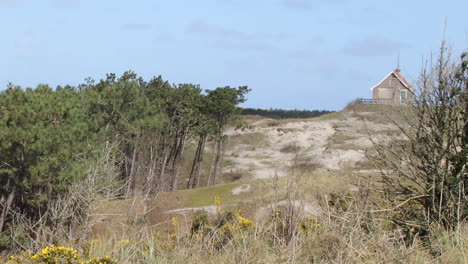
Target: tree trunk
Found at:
153, 163
212, 164
6, 208
178, 160
194, 178
131, 180
200, 163
219, 162
161, 177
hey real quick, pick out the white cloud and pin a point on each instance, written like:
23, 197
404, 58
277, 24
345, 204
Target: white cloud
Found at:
11, 3
301, 4
306, 4
373, 46
242, 45
209, 29
314, 63
165, 37
231, 39
28, 44
64, 3
136, 27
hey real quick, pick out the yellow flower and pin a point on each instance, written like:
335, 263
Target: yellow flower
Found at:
95, 241
175, 224
52, 253
244, 222
124, 242
217, 202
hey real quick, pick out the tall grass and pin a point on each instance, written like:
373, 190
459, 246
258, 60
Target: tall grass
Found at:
343, 234
345, 228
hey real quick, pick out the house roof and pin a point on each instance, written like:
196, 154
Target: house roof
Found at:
400, 77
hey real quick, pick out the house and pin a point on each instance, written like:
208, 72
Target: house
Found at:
393, 89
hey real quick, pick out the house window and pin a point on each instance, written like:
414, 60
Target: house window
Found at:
392, 82
403, 96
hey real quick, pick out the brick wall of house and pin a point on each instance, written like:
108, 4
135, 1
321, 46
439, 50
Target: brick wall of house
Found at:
389, 91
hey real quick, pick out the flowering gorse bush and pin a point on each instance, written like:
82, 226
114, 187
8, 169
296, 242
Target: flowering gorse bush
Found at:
244, 222
101, 260
217, 202
215, 233
310, 225
57, 255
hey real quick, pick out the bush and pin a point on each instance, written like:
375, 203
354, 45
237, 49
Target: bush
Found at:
57, 255
423, 178
290, 148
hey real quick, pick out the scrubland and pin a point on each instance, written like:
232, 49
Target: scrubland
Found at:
292, 191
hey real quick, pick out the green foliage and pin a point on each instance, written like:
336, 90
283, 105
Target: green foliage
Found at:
48, 137
281, 113
200, 222
424, 176
229, 226
42, 135
57, 255
101, 260
222, 102
123, 107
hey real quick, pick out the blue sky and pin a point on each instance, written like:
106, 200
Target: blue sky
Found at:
294, 54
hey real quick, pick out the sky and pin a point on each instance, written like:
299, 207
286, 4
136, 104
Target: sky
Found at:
293, 54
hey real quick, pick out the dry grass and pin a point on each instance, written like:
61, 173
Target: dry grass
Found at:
290, 148
338, 236
332, 116
273, 123
327, 244
341, 140
253, 139
342, 230
236, 175
383, 114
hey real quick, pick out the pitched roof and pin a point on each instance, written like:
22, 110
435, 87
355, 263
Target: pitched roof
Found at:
402, 79
399, 77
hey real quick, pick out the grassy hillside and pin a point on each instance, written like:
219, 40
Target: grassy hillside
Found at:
292, 191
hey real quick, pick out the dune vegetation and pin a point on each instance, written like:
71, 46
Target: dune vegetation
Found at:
131, 171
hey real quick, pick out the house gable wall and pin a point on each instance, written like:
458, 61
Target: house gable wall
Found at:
388, 91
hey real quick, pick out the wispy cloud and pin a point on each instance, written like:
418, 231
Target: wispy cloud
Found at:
165, 37
376, 12
243, 65
242, 45
373, 46
306, 4
209, 29
28, 43
314, 63
11, 3
64, 3
358, 74
301, 4
199, 27
226, 38
136, 27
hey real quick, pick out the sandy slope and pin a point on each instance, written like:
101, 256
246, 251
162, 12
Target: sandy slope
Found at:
259, 151
314, 138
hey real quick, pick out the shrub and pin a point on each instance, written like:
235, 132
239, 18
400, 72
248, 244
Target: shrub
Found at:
101, 260
424, 177
57, 255
290, 148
